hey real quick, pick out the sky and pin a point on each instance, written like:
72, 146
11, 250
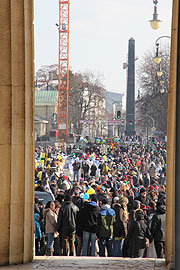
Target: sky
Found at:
99, 34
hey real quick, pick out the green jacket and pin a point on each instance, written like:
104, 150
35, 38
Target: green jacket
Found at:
106, 219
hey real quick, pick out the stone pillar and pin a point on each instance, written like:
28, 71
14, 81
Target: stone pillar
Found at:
130, 98
16, 131
173, 158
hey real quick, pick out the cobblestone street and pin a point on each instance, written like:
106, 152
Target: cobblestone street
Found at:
84, 263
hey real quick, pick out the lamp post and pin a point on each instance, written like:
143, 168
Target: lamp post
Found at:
155, 22
157, 58
159, 72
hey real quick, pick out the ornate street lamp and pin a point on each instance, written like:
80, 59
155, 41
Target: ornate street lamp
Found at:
139, 95
162, 89
155, 22
159, 72
161, 81
157, 58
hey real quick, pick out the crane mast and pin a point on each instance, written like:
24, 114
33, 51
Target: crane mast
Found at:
63, 75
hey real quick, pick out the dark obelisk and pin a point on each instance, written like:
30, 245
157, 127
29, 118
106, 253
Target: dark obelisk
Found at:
130, 97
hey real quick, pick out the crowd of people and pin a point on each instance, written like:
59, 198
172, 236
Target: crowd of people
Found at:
113, 204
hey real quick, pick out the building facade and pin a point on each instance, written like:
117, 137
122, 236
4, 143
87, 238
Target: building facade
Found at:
113, 104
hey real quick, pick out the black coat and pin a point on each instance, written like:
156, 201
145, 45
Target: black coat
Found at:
93, 170
143, 200
66, 223
137, 233
85, 168
89, 216
158, 224
120, 225
76, 166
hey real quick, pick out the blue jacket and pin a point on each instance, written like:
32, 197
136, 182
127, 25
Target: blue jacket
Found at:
38, 234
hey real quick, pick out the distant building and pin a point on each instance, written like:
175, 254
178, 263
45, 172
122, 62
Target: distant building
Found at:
111, 99
46, 108
113, 104
97, 114
40, 126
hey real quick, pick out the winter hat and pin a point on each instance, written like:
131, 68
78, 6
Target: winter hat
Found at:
143, 189
86, 196
103, 188
90, 191
151, 187
116, 199
76, 192
135, 204
139, 215
104, 201
123, 199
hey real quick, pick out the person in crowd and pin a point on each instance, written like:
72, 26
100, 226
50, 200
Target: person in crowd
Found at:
137, 236
38, 234
158, 229
106, 219
162, 179
76, 167
76, 197
93, 170
146, 180
85, 167
120, 226
152, 169
50, 216
127, 170
40, 186
143, 198
161, 193
79, 225
89, 214
66, 225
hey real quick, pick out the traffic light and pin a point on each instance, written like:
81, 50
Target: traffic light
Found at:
131, 122
118, 114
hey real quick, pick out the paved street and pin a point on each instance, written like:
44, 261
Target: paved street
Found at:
87, 263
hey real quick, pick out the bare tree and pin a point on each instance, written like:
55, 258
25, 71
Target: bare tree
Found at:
86, 96
44, 77
152, 101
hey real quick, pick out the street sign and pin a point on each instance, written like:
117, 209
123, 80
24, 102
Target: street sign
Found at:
115, 121
88, 122
153, 128
62, 126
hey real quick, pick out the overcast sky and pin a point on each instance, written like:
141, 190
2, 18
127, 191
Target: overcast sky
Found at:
99, 34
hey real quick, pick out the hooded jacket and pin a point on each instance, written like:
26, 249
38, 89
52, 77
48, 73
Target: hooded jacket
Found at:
38, 234
158, 223
89, 216
106, 219
136, 235
120, 225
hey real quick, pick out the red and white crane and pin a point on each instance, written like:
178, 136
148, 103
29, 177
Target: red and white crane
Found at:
63, 72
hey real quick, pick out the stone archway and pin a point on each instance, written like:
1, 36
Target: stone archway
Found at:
17, 129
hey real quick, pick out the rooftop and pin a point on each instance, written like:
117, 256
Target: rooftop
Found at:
46, 97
